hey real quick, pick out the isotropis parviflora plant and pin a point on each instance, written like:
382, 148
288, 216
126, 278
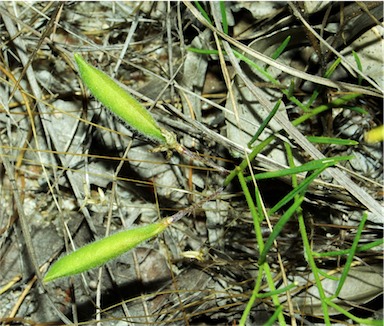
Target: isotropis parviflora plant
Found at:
118, 101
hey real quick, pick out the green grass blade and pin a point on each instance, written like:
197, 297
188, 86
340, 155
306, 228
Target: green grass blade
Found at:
326, 275
265, 267
359, 66
335, 103
332, 68
359, 110
361, 248
332, 141
278, 228
271, 321
281, 48
203, 12
315, 271
359, 321
224, 20
278, 291
256, 67
351, 256
264, 123
203, 51
253, 297
313, 165
287, 198
243, 165
253, 210
311, 100
307, 249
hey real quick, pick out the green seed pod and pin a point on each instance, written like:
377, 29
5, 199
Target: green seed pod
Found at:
99, 252
116, 99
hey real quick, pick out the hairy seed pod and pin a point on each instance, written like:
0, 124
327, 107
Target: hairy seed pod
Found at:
116, 99
99, 252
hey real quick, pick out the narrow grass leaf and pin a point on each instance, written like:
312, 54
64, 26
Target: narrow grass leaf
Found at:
281, 48
313, 165
279, 227
361, 248
335, 103
359, 321
264, 123
253, 210
291, 89
99, 252
332, 68
271, 321
332, 141
312, 264
224, 20
351, 256
326, 275
279, 291
243, 165
116, 99
297, 190
359, 66
202, 51
358, 109
203, 12
311, 100
264, 267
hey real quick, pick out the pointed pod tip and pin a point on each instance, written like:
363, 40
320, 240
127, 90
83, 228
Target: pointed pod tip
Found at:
78, 57
50, 276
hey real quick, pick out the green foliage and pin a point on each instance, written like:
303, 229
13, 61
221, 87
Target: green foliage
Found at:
359, 66
332, 141
224, 16
203, 12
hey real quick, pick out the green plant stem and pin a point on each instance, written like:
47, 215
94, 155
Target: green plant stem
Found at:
335, 103
306, 167
259, 239
264, 123
313, 266
296, 191
224, 20
278, 291
361, 248
252, 299
203, 12
306, 245
275, 315
359, 321
350, 257
332, 141
279, 227
243, 165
